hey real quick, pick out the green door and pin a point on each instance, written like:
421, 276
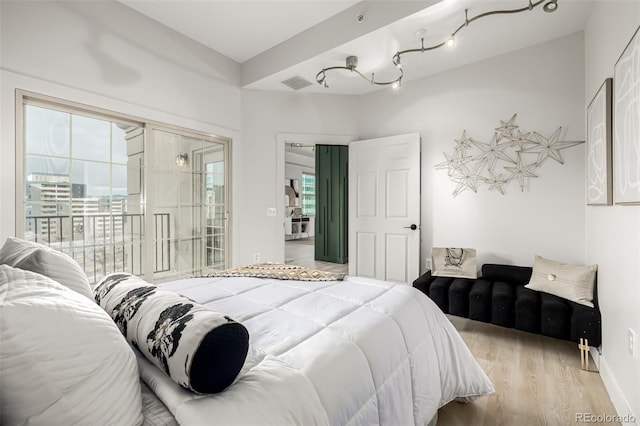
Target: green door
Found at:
332, 190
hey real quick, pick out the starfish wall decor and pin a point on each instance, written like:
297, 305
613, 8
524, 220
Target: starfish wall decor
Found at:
495, 164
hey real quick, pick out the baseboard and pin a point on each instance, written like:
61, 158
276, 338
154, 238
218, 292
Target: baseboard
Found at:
627, 417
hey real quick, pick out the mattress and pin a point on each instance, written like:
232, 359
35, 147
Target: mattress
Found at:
358, 351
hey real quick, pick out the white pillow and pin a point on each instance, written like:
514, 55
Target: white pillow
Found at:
64, 361
43, 260
571, 282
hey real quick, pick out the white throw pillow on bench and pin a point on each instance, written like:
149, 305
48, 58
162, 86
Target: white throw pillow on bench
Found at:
571, 282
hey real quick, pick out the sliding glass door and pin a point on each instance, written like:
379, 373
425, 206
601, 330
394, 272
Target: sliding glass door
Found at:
190, 196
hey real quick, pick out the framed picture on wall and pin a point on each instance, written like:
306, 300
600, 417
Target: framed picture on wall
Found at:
626, 124
599, 173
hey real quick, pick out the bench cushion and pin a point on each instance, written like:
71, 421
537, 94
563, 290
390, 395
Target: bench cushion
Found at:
506, 273
459, 296
555, 314
586, 323
439, 292
480, 301
527, 310
423, 282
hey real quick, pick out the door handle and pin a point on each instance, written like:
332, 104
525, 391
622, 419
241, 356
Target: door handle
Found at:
413, 227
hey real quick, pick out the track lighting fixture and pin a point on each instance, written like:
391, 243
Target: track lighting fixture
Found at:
351, 63
293, 145
451, 41
551, 6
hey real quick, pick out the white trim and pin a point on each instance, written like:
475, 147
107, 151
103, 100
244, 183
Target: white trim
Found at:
18, 145
148, 191
281, 140
615, 393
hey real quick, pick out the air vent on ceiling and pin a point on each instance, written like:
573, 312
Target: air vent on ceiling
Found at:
297, 82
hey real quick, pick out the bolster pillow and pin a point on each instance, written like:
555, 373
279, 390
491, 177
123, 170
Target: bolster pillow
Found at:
200, 349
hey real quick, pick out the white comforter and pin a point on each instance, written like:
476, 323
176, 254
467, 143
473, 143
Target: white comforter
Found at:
356, 352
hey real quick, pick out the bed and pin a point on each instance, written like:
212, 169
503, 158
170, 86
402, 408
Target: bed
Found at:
357, 351
345, 352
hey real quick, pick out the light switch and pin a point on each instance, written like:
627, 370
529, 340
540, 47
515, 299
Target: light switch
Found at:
271, 211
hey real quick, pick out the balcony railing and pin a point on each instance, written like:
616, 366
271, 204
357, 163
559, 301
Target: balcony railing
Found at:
103, 243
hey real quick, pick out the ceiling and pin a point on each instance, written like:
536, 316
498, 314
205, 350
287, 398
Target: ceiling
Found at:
277, 40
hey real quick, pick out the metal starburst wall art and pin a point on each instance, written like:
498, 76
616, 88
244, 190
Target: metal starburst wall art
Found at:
504, 159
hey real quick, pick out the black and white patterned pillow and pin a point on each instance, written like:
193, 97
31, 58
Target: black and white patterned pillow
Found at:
200, 349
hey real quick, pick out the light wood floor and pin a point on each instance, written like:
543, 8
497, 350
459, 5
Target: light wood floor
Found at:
538, 380
301, 252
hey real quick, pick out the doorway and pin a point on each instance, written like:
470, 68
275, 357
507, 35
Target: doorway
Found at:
299, 247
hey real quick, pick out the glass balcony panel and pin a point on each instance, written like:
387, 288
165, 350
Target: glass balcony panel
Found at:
166, 188
91, 138
188, 187
91, 181
47, 131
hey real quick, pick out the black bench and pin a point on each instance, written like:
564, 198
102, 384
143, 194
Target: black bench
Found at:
499, 297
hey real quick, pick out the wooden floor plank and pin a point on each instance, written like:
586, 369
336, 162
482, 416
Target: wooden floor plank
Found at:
538, 380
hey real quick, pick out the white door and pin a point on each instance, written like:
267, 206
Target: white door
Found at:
384, 208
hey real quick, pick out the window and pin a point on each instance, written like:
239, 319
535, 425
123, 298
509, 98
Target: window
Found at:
308, 194
75, 185
86, 190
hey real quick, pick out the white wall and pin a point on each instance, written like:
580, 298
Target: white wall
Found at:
613, 232
264, 116
544, 85
106, 55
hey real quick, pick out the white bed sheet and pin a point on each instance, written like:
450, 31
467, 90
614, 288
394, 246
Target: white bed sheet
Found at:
353, 352
154, 412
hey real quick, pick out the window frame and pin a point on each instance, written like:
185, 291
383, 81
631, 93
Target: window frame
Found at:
25, 97
303, 193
